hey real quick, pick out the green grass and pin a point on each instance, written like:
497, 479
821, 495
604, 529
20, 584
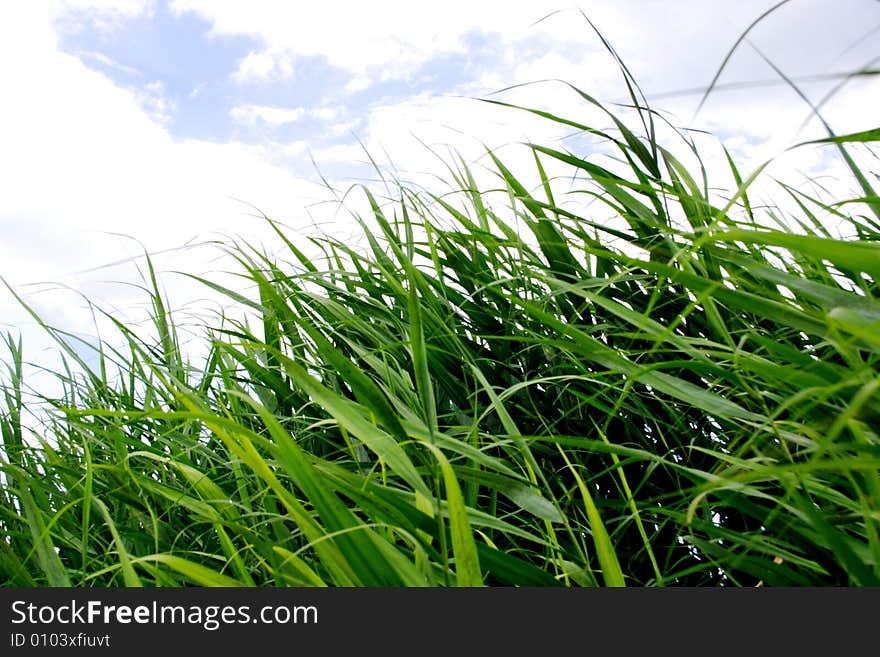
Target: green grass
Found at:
497, 387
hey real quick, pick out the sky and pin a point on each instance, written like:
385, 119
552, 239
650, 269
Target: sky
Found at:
157, 125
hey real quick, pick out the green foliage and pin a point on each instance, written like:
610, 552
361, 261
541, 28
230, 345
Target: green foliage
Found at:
643, 401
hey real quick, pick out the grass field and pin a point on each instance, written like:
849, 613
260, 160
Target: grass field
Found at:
501, 388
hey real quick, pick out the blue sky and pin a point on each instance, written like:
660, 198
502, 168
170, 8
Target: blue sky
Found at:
130, 124
197, 71
175, 58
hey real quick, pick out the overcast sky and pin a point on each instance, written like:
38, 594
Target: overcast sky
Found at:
156, 119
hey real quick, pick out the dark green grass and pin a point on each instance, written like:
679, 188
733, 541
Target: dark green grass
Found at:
494, 388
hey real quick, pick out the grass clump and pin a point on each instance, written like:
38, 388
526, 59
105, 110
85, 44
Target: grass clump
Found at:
498, 389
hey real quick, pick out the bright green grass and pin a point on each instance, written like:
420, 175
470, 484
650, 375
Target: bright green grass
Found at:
460, 403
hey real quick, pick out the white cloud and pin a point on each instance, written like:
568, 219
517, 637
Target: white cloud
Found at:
264, 66
327, 113
358, 83
106, 61
345, 127
387, 40
272, 115
155, 103
105, 15
667, 44
126, 8
276, 116
294, 148
87, 169
340, 153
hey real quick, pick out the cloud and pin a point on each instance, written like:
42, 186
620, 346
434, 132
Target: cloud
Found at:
154, 102
358, 83
250, 114
340, 154
107, 61
327, 113
90, 174
372, 42
276, 116
345, 127
106, 15
667, 45
126, 8
264, 66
